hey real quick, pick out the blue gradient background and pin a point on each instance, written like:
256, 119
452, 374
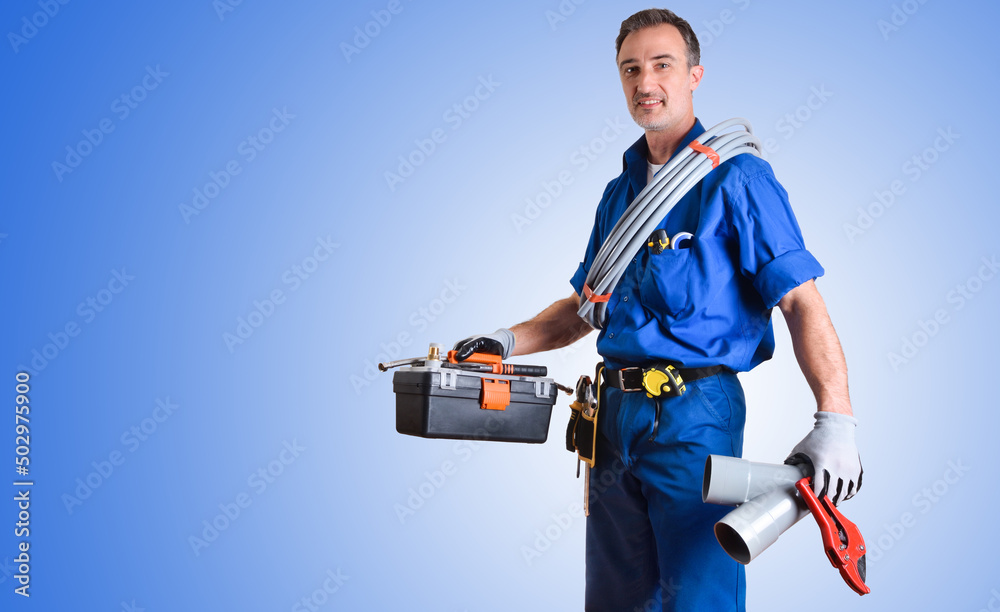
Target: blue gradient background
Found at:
450, 230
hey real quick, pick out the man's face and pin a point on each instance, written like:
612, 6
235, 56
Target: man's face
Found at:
656, 79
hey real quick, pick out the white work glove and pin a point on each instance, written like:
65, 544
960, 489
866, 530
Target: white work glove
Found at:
500, 342
831, 450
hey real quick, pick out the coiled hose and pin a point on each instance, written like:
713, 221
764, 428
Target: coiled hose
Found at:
651, 206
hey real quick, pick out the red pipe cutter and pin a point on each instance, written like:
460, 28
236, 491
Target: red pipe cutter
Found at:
841, 538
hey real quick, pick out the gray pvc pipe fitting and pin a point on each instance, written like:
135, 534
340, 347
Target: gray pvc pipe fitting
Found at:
748, 530
766, 498
730, 481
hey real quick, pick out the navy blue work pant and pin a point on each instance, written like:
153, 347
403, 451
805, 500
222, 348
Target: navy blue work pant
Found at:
650, 539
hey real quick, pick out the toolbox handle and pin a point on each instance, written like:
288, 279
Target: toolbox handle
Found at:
498, 367
487, 358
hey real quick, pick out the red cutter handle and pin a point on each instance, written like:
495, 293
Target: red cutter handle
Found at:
842, 540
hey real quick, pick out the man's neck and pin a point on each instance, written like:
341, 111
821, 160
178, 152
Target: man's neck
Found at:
663, 143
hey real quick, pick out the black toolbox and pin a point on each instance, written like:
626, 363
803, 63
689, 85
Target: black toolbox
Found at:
436, 402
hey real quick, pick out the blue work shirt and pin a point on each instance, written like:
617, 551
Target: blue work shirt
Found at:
708, 304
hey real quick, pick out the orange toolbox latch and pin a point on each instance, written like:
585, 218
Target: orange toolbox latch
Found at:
496, 394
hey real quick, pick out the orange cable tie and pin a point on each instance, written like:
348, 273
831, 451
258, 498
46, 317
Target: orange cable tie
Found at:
593, 297
707, 151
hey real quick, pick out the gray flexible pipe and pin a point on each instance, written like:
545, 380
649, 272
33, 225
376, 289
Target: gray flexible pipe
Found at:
651, 206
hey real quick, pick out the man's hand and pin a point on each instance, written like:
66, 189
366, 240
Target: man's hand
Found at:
831, 450
830, 446
553, 328
500, 342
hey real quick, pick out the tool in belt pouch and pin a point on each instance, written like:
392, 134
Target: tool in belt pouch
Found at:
581, 433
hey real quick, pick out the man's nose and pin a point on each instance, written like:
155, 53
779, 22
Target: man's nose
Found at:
647, 84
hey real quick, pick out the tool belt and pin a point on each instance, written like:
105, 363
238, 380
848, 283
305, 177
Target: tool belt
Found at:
657, 380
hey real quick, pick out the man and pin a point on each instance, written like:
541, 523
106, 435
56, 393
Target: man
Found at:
704, 309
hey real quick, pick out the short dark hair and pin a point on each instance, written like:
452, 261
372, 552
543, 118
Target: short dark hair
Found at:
654, 17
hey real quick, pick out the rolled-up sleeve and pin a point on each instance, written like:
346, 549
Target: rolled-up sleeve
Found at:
772, 251
784, 273
579, 279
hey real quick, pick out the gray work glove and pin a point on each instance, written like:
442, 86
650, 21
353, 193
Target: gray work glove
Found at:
831, 450
500, 342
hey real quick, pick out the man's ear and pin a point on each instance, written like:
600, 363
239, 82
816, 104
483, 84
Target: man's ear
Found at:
696, 73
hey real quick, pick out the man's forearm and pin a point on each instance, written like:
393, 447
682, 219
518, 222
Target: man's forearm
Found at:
817, 348
555, 327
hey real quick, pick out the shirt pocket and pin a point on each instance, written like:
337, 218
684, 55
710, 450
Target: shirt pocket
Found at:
665, 286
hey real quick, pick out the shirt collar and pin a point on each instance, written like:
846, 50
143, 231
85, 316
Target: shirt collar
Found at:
634, 159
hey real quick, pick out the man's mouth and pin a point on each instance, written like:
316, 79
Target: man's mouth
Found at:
649, 103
